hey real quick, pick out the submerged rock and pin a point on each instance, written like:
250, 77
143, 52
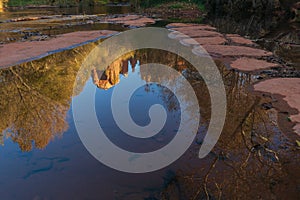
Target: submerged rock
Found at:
289, 89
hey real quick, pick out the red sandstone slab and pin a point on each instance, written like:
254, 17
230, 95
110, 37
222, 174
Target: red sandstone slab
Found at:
174, 25
251, 64
203, 41
232, 35
19, 52
125, 18
139, 22
133, 20
232, 51
235, 38
200, 33
287, 87
195, 27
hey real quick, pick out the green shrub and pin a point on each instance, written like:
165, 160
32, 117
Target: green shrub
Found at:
176, 6
61, 3
152, 3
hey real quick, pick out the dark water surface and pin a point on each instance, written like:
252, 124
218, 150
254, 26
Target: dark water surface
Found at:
54, 21
42, 157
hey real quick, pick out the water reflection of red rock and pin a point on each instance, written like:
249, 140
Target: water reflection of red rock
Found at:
105, 79
170, 60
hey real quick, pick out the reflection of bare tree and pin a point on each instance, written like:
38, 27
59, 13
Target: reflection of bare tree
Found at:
248, 167
247, 162
36, 98
252, 159
1, 139
106, 78
30, 115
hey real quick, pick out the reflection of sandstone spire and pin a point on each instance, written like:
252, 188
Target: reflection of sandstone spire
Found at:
108, 78
124, 69
133, 63
102, 82
111, 76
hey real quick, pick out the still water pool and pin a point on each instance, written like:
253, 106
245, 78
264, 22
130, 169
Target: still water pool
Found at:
42, 157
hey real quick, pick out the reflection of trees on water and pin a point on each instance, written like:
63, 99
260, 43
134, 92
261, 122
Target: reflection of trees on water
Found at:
1, 139
252, 159
284, 42
249, 158
249, 166
173, 80
2, 5
106, 78
36, 98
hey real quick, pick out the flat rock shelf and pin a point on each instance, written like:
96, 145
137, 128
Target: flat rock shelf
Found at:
19, 52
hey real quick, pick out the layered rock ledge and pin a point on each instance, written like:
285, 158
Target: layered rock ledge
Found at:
19, 52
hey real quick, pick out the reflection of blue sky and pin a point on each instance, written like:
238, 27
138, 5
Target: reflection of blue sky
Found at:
65, 169
134, 76
139, 105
